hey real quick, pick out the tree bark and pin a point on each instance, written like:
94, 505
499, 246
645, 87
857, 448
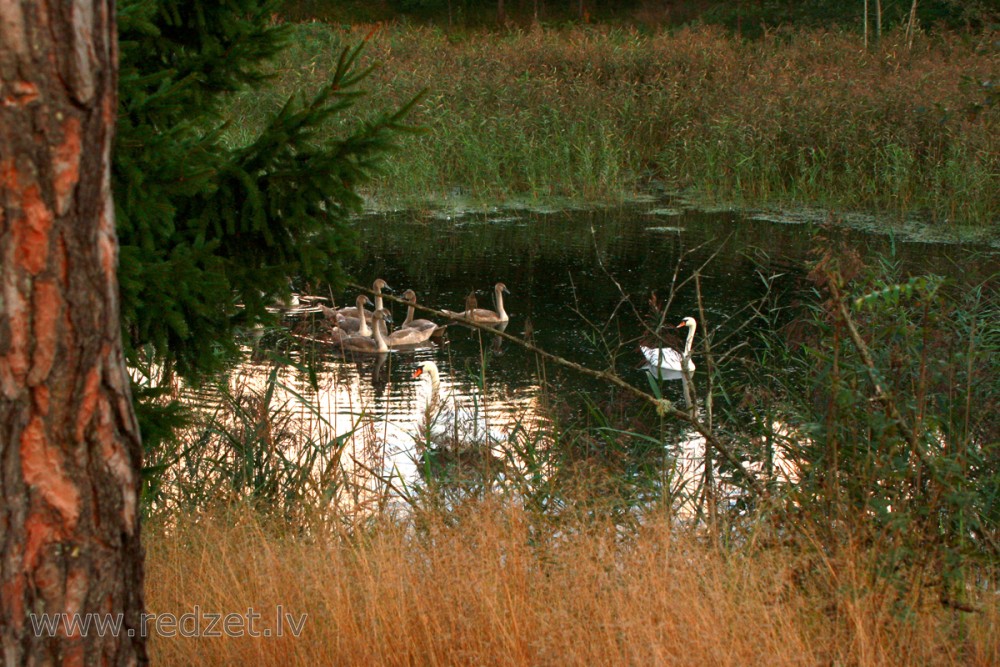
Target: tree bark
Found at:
911, 25
878, 21
70, 451
866, 22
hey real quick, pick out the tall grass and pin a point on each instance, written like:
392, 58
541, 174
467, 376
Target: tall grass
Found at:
795, 117
589, 544
486, 585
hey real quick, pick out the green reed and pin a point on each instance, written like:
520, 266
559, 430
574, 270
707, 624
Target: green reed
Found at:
592, 113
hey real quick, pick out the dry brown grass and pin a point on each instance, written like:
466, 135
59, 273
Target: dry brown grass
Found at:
482, 586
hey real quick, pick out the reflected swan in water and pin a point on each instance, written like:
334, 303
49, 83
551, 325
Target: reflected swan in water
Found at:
379, 373
669, 359
484, 315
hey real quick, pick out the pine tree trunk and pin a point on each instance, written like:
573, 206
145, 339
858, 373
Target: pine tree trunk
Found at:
911, 25
69, 444
878, 21
866, 22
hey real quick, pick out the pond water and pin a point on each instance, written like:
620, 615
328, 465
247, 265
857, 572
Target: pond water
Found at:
580, 283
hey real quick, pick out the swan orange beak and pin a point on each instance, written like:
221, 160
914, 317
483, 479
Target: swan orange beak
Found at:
417, 372
680, 325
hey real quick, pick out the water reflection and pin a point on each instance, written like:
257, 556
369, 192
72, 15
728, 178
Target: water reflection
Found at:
579, 283
375, 407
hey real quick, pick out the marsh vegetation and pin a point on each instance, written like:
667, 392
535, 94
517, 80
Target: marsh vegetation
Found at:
824, 489
822, 496
807, 117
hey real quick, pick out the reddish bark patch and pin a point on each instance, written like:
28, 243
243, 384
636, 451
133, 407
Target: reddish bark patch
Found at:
23, 93
107, 248
31, 240
109, 111
42, 466
66, 163
88, 402
48, 304
12, 595
73, 657
40, 394
8, 174
39, 534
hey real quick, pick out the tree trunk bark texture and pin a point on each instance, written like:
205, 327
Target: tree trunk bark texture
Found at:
70, 451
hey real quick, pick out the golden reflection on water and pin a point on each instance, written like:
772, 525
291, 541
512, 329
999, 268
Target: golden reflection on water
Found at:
365, 412
354, 426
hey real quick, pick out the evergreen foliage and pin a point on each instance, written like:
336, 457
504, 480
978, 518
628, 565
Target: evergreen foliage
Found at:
204, 225
211, 233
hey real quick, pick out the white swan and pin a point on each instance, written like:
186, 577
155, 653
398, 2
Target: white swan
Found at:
443, 424
429, 403
366, 344
669, 359
483, 315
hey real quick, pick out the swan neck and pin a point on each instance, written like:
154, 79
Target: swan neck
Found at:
409, 315
435, 389
363, 329
435, 384
690, 340
379, 341
500, 311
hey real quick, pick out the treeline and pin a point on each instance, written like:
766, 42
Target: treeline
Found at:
745, 16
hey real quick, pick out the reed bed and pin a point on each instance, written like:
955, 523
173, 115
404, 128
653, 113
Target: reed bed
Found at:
486, 585
598, 113
877, 548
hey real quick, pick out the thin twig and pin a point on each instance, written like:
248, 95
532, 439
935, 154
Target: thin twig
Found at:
663, 407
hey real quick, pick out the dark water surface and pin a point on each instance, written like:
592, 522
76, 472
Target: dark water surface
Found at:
568, 273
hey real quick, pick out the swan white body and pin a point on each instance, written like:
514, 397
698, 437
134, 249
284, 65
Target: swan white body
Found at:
669, 359
484, 315
446, 425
